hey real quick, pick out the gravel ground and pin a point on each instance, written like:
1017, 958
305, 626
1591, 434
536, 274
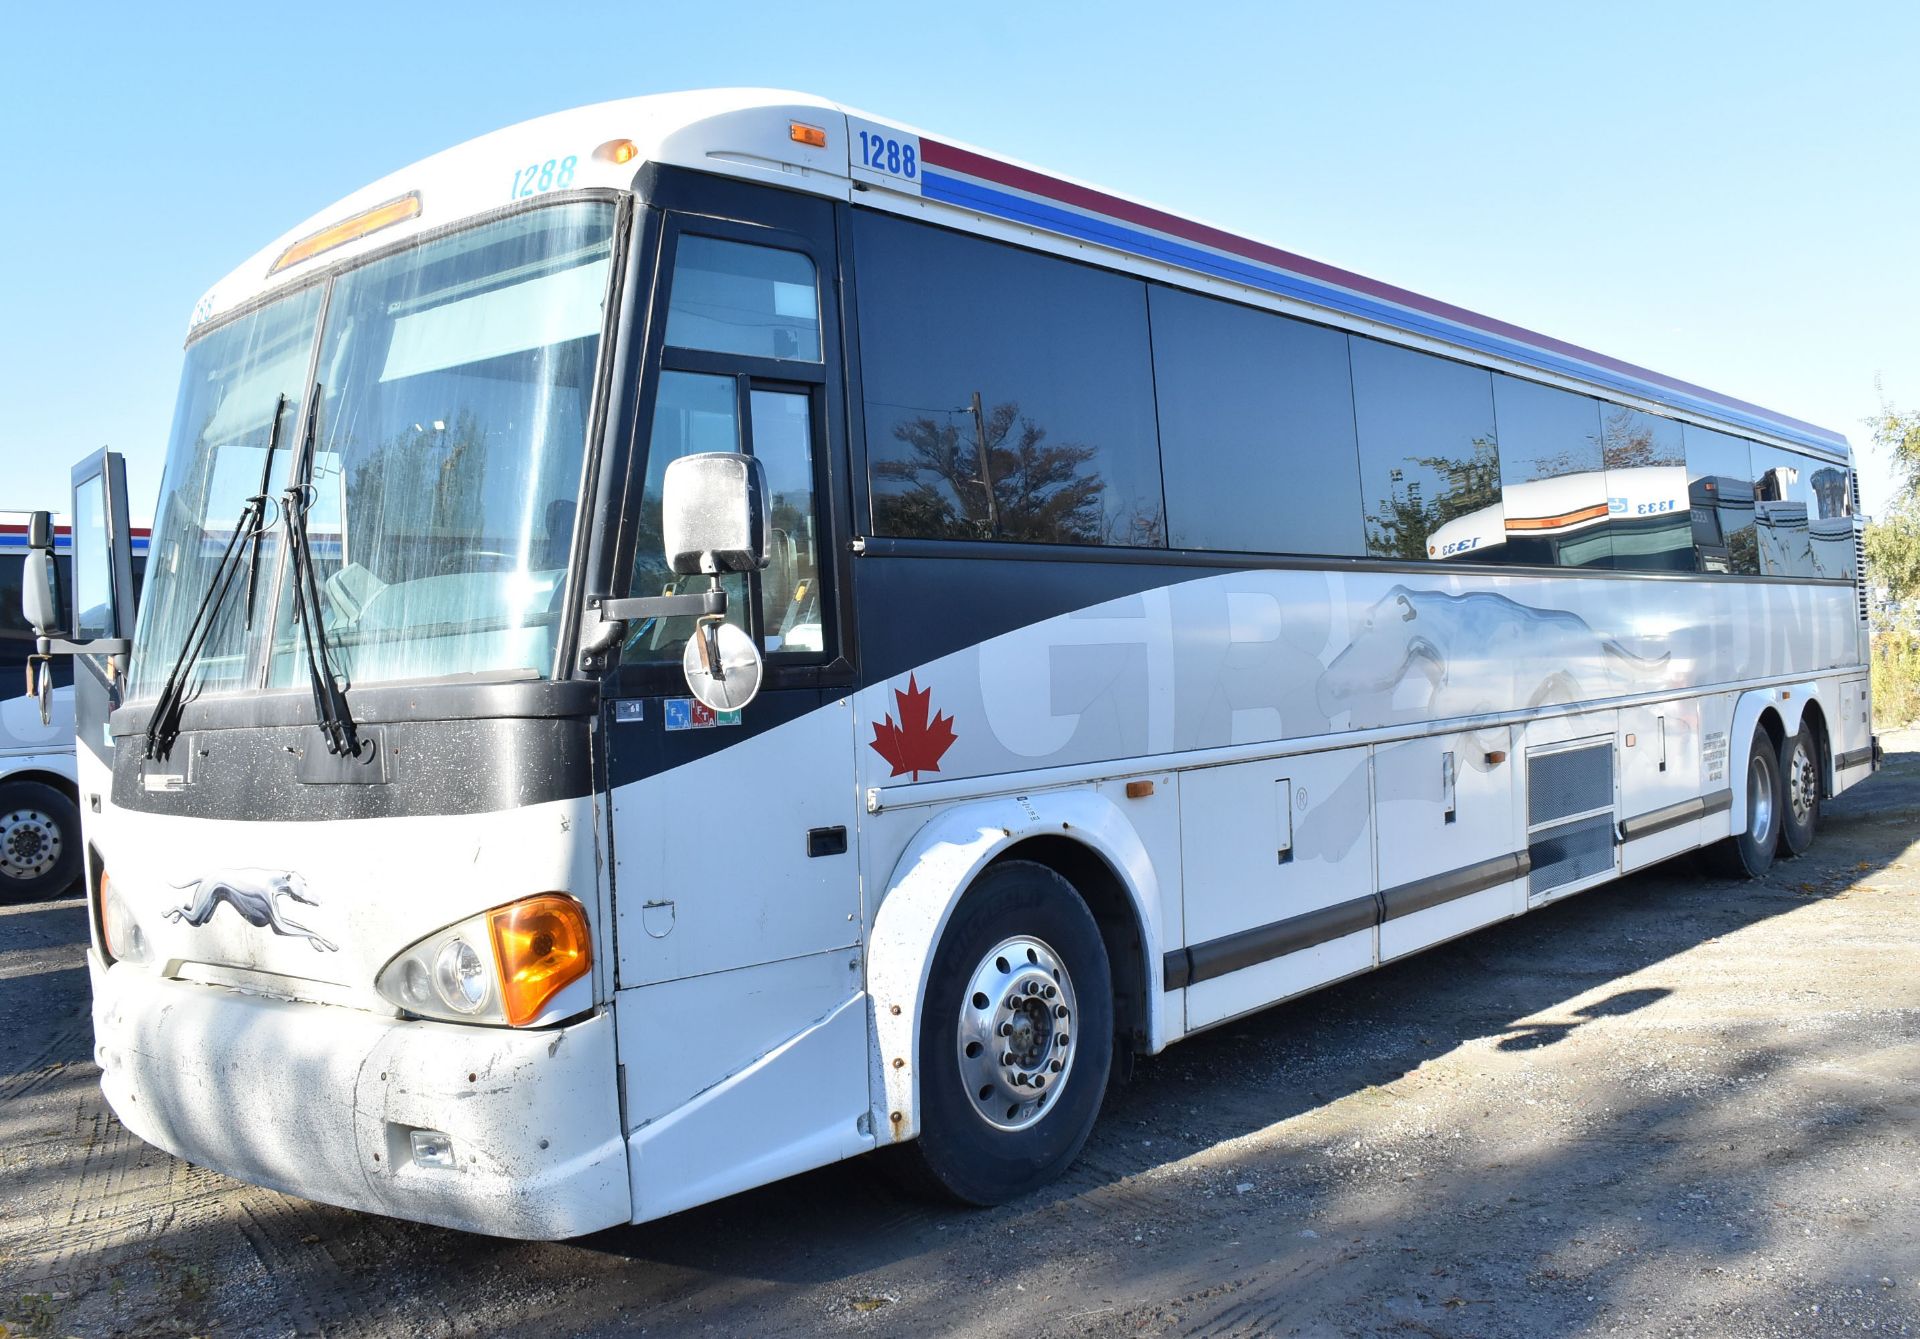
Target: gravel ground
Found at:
1674, 1106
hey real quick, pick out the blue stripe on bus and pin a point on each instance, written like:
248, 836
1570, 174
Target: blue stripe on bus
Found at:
983, 199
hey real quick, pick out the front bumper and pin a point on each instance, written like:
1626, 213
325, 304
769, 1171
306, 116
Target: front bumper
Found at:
318, 1101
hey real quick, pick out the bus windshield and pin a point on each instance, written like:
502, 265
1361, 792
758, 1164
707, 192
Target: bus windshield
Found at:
454, 381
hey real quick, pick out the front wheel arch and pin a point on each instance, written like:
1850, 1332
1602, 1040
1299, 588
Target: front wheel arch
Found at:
966, 1151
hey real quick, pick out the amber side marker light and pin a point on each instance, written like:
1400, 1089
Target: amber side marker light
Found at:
542, 947
802, 133
617, 151
394, 211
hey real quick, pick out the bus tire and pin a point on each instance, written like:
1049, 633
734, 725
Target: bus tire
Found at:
1749, 854
1800, 785
1016, 1038
39, 841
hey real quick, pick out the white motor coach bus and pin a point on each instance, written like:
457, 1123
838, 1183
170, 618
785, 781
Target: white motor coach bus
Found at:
703, 635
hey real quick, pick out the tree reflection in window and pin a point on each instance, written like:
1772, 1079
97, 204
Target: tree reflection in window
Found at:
1025, 488
1008, 394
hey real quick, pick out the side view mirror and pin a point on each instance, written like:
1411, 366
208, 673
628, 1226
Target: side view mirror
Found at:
39, 592
714, 514
713, 522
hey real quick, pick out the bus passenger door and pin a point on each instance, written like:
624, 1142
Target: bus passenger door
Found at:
1451, 837
737, 926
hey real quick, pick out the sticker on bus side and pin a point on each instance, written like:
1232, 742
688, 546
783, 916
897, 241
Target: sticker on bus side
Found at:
883, 154
684, 713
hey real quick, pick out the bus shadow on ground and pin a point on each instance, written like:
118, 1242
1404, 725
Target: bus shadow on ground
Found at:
1252, 1074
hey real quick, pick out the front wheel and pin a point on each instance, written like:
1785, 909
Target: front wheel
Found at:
1016, 1037
1749, 854
39, 841
1801, 785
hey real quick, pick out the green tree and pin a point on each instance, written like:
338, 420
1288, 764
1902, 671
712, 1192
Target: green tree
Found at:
1893, 570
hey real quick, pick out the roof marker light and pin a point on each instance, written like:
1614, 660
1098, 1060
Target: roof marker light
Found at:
617, 151
801, 133
397, 210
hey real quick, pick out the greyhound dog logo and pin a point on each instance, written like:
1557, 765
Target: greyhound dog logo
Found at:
1479, 652
255, 894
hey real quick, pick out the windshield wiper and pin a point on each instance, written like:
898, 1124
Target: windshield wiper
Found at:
163, 727
329, 698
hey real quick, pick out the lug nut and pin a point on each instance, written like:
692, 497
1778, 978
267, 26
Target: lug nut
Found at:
1059, 1011
1006, 1058
1013, 1000
1039, 1080
1064, 1039
1055, 1066
1052, 991
1006, 1029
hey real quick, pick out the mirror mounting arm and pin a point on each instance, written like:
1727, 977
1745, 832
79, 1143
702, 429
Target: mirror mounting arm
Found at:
661, 606
99, 646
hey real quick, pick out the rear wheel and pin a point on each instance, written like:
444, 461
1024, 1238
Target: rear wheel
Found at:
1749, 854
1016, 1037
39, 841
1801, 784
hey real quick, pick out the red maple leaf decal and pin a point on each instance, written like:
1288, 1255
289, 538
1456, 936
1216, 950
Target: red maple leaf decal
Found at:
915, 745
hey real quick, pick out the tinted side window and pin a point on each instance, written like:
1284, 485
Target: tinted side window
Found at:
729, 297
1054, 355
1646, 460
1720, 494
1552, 487
1256, 429
1429, 467
1784, 507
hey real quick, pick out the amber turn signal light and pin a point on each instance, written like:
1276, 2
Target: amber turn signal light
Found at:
541, 945
803, 133
617, 151
397, 210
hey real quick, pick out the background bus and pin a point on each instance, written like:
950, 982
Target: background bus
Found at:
1111, 682
39, 802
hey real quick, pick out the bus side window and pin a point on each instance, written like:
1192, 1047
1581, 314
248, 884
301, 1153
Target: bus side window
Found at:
1719, 482
1654, 519
1429, 465
693, 412
1552, 483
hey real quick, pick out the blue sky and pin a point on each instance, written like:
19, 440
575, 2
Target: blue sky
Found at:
1724, 192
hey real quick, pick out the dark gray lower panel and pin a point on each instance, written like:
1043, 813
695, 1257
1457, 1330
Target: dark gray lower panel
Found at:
1423, 893
1249, 948
1659, 820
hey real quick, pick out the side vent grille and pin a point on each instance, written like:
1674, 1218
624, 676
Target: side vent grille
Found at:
1859, 546
1570, 852
1569, 782
1570, 819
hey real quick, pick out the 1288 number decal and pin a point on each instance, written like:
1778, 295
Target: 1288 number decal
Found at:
556, 174
881, 153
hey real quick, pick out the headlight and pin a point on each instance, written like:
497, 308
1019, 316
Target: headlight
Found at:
120, 933
522, 964
460, 978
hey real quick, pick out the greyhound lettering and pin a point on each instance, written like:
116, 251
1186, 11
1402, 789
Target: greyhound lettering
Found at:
255, 894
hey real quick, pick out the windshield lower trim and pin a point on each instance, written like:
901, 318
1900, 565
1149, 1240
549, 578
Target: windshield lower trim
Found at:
457, 698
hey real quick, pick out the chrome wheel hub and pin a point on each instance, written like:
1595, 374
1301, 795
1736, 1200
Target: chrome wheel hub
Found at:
1760, 802
29, 844
1015, 1040
1803, 784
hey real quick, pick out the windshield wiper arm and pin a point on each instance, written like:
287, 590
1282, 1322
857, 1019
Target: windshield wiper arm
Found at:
163, 727
329, 698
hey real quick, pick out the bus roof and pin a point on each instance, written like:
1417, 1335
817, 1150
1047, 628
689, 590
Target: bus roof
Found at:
763, 135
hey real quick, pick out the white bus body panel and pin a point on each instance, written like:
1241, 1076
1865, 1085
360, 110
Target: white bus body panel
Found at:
27, 744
